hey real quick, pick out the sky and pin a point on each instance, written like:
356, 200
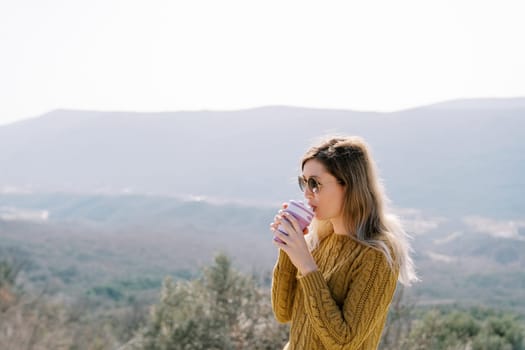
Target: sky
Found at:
154, 55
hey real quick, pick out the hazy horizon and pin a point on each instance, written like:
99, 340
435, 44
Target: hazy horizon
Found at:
204, 55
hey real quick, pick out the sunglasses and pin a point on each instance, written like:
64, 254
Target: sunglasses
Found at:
312, 183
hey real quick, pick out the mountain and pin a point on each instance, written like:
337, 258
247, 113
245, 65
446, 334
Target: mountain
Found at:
455, 159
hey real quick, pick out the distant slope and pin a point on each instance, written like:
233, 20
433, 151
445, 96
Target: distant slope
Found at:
458, 158
89, 241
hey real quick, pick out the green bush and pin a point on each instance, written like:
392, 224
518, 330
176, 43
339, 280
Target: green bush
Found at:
221, 310
486, 330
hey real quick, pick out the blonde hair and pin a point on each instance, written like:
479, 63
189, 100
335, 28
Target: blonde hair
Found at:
349, 160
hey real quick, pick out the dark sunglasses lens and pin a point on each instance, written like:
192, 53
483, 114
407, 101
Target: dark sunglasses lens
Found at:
313, 185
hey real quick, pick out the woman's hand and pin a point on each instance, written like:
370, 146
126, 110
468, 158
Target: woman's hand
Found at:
292, 242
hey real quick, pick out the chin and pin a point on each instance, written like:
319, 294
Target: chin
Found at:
319, 217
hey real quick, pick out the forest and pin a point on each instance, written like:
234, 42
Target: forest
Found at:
220, 308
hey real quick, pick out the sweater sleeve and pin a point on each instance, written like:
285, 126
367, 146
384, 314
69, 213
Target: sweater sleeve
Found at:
366, 303
284, 284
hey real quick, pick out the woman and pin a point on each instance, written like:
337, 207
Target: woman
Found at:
335, 284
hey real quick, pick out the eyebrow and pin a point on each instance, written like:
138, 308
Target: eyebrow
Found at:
316, 176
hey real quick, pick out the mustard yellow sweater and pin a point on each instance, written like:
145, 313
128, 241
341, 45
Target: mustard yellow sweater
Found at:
342, 305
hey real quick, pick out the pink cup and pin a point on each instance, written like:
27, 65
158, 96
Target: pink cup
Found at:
301, 212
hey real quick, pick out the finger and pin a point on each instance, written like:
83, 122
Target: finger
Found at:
278, 242
285, 205
281, 236
277, 219
293, 221
275, 225
285, 227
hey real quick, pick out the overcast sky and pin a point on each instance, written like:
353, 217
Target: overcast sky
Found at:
220, 54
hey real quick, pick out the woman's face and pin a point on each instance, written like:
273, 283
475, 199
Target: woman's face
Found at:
327, 203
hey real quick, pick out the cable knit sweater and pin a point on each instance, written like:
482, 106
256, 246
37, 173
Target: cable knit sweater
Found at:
342, 305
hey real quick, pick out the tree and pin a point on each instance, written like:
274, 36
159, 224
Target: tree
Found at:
223, 309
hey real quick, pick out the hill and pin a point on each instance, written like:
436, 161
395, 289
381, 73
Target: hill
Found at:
131, 243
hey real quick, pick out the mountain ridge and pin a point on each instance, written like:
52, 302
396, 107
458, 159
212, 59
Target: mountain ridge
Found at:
502, 102
467, 162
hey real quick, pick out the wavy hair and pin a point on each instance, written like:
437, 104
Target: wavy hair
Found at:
349, 160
